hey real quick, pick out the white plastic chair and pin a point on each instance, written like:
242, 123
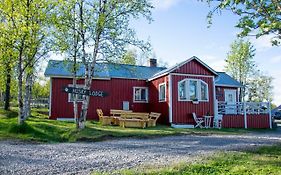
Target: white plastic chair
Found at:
198, 121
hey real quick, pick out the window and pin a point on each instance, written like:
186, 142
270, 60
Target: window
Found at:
204, 91
141, 94
193, 90
162, 92
71, 96
182, 90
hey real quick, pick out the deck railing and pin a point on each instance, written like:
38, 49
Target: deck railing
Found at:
251, 109
243, 107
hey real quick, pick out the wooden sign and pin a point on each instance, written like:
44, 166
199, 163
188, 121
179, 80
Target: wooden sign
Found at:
82, 91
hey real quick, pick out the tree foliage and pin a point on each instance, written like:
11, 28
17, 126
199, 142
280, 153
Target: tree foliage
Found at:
102, 33
241, 66
130, 57
260, 88
240, 63
257, 17
23, 26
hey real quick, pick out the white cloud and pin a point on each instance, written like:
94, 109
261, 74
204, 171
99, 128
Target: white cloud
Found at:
214, 62
164, 4
275, 60
262, 43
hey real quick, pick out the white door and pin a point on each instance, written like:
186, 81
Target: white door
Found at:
230, 99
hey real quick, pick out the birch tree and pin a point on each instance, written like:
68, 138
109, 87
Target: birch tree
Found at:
67, 38
260, 88
240, 63
25, 21
104, 34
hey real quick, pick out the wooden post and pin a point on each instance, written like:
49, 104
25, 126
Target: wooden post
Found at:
245, 115
269, 114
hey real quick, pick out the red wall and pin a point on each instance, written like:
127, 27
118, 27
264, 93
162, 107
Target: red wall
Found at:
193, 67
154, 104
253, 121
182, 110
119, 90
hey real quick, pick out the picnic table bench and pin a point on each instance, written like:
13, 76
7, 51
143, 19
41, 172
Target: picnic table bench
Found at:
134, 119
137, 119
116, 115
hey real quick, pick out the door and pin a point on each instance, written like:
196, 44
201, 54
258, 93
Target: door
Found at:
230, 99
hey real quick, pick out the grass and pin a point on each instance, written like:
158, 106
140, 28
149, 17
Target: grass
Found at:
264, 160
40, 129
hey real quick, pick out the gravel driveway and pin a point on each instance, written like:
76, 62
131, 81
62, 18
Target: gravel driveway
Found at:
82, 158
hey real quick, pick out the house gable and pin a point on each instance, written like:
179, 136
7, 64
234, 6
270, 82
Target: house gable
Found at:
194, 66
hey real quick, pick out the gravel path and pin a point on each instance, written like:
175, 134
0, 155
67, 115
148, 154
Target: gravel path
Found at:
82, 158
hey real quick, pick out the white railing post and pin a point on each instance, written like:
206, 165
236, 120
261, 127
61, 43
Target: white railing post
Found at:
245, 114
269, 114
216, 108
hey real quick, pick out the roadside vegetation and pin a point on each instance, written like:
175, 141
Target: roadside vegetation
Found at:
264, 160
39, 128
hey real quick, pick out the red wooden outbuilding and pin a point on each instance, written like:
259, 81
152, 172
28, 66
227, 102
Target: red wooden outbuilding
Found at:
176, 92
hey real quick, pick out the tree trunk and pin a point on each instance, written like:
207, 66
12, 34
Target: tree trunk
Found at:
27, 97
20, 82
75, 106
20, 100
8, 88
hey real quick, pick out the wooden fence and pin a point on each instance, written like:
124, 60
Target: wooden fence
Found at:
40, 103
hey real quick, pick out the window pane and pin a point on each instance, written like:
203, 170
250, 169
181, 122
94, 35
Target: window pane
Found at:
204, 94
137, 94
193, 89
143, 94
140, 94
182, 91
162, 92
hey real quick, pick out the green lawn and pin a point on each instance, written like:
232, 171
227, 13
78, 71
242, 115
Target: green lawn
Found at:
263, 161
40, 128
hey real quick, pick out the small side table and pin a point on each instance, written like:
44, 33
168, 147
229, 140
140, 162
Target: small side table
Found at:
207, 121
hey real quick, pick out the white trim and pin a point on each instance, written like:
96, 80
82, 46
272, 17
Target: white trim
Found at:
215, 98
182, 126
161, 75
69, 94
159, 94
198, 89
80, 78
225, 85
66, 119
146, 94
192, 75
50, 98
170, 99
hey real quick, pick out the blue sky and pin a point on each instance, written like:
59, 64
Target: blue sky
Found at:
179, 31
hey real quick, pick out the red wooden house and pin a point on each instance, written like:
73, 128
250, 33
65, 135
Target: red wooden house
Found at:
176, 92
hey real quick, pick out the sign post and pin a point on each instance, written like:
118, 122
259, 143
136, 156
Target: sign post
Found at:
81, 91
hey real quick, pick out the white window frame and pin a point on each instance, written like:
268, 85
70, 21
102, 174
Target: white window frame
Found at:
146, 95
187, 84
207, 91
159, 92
69, 94
180, 82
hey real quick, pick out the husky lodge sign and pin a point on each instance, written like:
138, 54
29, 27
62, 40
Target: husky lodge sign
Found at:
82, 91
